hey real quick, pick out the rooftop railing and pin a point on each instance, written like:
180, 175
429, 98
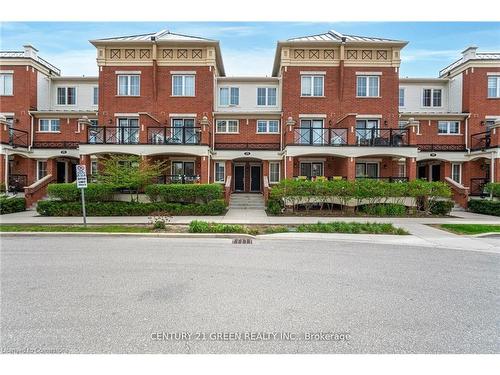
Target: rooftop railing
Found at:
480, 141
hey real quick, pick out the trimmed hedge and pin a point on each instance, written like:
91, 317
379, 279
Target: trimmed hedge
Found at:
10, 205
442, 207
485, 206
197, 226
493, 188
183, 193
70, 193
389, 209
59, 208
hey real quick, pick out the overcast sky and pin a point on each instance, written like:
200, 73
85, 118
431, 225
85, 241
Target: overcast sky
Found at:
248, 47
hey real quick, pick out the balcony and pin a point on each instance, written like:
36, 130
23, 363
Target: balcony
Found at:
430, 147
320, 137
477, 186
382, 137
155, 135
248, 146
62, 144
480, 141
15, 137
17, 182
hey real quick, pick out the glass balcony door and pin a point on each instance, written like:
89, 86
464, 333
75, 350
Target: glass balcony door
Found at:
312, 132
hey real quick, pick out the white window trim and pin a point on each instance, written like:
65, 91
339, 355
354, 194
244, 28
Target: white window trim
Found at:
184, 85
459, 172
183, 161
267, 127
50, 125
312, 76
128, 86
404, 97
223, 163
93, 95
267, 96
367, 76
229, 104
11, 73
66, 96
38, 178
279, 172
128, 72
227, 126
432, 97
365, 162
497, 76
448, 127
311, 161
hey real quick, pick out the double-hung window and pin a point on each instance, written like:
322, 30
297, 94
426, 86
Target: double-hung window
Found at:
183, 85
6, 84
229, 96
456, 172
311, 132
41, 169
274, 172
266, 96
401, 97
312, 169
66, 95
49, 125
267, 126
220, 173
448, 127
494, 86
432, 98
129, 85
366, 170
95, 95
312, 85
227, 126
368, 86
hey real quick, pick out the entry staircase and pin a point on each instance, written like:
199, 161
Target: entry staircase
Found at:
242, 201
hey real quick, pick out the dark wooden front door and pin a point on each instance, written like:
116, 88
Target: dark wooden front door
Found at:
239, 178
255, 177
436, 172
61, 172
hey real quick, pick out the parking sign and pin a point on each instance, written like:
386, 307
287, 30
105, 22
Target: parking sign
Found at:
81, 176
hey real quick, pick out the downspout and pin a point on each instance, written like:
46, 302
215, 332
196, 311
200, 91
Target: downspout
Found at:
32, 133
467, 134
492, 171
6, 170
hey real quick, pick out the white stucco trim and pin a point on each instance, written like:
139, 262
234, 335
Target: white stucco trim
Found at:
6, 72
368, 116
182, 115
323, 73
126, 115
240, 154
127, 72
368, 73
147, 150
348, 151
312, 115
181, 72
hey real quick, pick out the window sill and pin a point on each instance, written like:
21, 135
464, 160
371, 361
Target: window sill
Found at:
6, 94
128, 96
264, 133
368, 97
493, 97
183, 96
235, 133
47, 131
449, 134
313, 97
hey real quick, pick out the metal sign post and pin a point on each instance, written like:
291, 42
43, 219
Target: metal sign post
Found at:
81, 183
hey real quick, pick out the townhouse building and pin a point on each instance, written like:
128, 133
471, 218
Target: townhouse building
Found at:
334, 106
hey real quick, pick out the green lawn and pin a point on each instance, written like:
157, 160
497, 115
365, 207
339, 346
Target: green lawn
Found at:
76, 228
471, 228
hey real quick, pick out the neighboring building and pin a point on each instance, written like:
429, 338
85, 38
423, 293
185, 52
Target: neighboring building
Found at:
334, 106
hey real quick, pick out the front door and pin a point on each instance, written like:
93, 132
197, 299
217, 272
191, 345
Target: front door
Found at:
436, 172
239, 178
255, 178
422, 172
61, 172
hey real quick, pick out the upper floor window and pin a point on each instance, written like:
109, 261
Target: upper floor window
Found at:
266, 96
432, 98
227, 126
229, 96
95, 95
401, 97
448, 127
489, 124
6, 84
368, 86
129, 85
66, 95
267, 126
182, 85
49, 125
494, 87
312, 85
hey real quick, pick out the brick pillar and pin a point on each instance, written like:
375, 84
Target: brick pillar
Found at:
411, 168
496, 168
204, 169
3, 170
445, 169
350, 168
288, 167
52, 167
412, 127
85, 160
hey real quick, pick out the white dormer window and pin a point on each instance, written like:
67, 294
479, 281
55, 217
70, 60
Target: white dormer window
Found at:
494, 86
66, 95
432, 98
266, 96
229, 96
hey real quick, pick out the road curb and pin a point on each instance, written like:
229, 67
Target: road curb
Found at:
496, 234
154, 235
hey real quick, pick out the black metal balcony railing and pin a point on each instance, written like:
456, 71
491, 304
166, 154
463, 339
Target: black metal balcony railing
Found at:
62, 144
430, 147
18, 137
379, 137
320, 136
477, 186
17, 182
480, 141
247, 146
112, 135
174, 135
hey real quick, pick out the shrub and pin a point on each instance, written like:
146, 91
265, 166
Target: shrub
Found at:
159, 220
183, 193
10, 205
345, 227
2, 187
70, 193
388, 209
442, 207
197, 226
493, 188
59, 208
274, 207
485, 206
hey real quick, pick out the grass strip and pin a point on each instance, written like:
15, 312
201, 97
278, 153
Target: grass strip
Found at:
76, 228
471, 228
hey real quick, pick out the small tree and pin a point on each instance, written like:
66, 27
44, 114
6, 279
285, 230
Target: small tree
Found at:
130, 172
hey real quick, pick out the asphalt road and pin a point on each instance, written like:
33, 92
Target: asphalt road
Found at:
131, 295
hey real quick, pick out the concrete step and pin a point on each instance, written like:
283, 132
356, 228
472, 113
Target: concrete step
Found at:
247, 201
